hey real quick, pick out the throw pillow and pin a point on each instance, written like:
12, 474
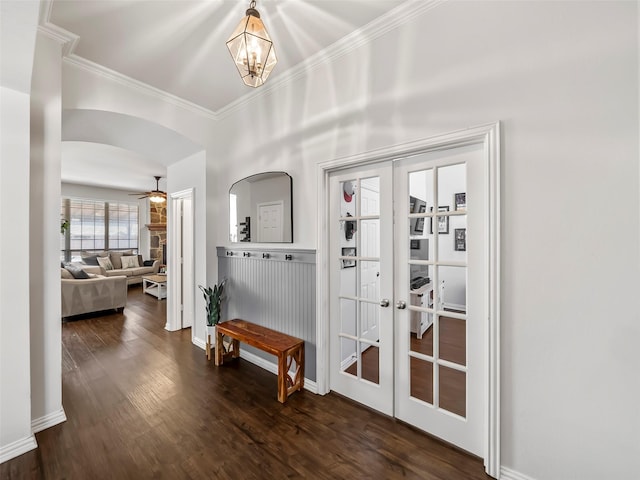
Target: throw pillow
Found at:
91, 260
116, 256
105, 263
77, 272
129, 262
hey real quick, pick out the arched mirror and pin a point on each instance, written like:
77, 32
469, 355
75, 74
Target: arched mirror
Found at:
260, 209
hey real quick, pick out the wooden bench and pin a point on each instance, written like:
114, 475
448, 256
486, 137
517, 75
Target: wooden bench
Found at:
287, 348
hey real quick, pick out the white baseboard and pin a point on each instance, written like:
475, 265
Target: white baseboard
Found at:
508, 474
42, 423
273, 368
199, 343
17, 448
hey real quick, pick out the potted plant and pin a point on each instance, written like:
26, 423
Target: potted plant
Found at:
213, 299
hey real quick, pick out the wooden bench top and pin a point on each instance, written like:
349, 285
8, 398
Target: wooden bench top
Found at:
258, 336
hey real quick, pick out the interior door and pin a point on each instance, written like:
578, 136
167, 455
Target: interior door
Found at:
440, 286
270, 222
361, 285
187, 280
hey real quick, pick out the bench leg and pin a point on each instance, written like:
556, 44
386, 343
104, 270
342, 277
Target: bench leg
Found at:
219, 353
286, 384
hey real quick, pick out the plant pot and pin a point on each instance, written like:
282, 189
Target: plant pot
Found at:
211, 339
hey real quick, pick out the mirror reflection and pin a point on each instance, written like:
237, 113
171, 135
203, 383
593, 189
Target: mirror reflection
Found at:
260, 209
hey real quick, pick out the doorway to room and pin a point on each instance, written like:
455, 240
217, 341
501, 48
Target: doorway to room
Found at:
411, 289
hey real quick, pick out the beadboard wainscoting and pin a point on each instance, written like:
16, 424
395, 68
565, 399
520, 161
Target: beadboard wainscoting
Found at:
273, 288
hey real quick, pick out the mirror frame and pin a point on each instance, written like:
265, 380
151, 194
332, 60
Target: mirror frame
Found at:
284, 213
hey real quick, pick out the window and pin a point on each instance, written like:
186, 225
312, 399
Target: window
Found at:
97, 225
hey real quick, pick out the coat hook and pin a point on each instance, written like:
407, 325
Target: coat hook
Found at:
288, 257
246, 254
266, 255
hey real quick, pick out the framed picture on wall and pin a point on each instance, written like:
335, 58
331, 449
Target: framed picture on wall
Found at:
348, 252
460, 200
443, 222
460, 239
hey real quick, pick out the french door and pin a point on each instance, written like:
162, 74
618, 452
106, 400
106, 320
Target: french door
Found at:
408, 270
361, 350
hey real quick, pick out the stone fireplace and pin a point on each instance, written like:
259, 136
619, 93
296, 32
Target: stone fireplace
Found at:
157, 229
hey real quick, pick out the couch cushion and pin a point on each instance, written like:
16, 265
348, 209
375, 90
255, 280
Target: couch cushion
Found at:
66, 274
77, 272
141, 271
105, 262
116, 256
126, 272
129, 261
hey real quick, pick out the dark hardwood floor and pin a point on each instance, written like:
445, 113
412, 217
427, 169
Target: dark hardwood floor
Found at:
145, 403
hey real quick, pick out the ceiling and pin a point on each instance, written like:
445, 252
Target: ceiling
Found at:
179, 47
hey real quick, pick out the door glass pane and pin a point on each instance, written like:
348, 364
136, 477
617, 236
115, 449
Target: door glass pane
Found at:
348, 198
370, 234
369, 317
419, 247
421, 332
452, 185
452, 247
370, 194
421, 380
452, 339
453, 391
349, 356
348, 236
420, 296
420, 191
348, 278
348, 316
370, 362
370, 280
451, 294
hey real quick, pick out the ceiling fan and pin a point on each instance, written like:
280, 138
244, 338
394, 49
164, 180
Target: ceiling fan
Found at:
156, 196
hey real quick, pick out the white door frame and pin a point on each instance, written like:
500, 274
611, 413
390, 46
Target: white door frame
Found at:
174, 282
489, 137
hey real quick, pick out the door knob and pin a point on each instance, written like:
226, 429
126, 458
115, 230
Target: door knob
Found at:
384, 302
401, 305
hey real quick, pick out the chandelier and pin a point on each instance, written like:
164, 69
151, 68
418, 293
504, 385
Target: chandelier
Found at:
252, 49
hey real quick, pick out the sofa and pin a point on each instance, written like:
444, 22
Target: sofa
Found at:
110, 264
92, 293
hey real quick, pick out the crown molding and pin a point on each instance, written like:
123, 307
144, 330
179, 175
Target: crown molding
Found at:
142, 87
400, 15
67, 39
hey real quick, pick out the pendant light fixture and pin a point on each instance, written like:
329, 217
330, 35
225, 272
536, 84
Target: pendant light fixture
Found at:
252, 49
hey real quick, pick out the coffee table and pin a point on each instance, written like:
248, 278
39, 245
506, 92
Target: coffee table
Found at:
155, 285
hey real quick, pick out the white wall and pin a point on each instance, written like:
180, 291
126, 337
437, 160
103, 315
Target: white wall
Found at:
18, 21
73, 190
563, 79
44, 226
15, 394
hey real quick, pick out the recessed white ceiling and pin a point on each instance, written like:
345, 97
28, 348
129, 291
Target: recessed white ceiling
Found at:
102, 165
180, 46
